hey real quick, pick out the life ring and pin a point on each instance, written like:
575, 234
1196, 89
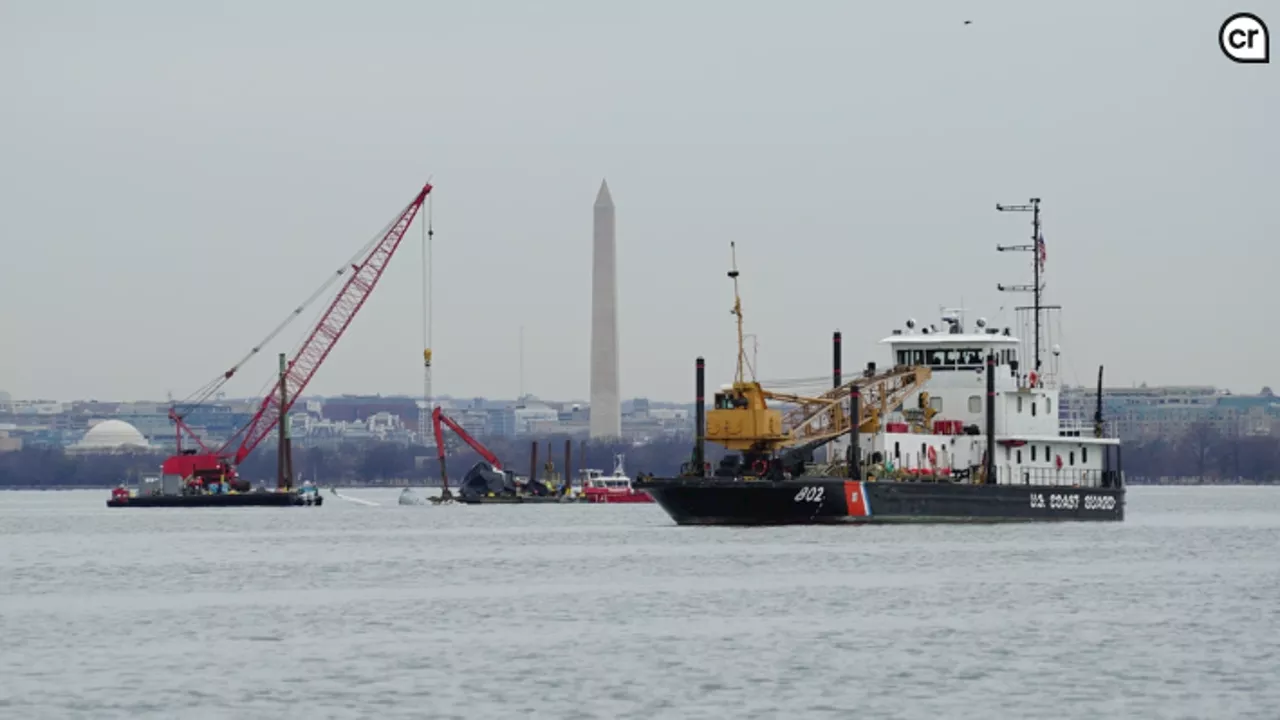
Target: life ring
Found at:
706, 467
933, 456
759, 467
1033, 378
1058, 461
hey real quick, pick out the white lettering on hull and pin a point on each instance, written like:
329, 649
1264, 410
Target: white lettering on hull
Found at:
810, 493
1061, 501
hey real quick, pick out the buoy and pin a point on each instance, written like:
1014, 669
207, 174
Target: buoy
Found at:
759, 467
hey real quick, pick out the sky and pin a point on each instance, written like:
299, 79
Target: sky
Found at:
176, 178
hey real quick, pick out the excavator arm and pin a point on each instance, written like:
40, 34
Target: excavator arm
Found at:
438, 421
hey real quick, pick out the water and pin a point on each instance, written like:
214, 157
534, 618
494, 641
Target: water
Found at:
349, 611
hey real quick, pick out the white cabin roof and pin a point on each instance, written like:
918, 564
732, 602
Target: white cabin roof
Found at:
937, 339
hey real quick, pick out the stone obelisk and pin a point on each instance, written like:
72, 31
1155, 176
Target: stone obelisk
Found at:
606, 397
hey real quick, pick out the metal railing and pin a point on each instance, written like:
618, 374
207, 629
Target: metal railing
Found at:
1056, 477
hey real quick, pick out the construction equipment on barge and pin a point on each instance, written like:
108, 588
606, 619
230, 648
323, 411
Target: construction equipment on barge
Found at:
488, 482
207, 474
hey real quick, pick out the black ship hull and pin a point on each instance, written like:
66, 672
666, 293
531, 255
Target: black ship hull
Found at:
249, 499
830, 500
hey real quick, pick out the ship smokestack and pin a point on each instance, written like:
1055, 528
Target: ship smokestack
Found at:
835, 358
699, 418
990, 469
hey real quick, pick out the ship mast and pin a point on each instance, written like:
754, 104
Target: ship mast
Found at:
1036, 288
737, 311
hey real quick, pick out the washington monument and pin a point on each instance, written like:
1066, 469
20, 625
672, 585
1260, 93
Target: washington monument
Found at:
606, 398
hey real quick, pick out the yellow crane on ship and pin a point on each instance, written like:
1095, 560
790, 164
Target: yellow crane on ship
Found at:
772, 442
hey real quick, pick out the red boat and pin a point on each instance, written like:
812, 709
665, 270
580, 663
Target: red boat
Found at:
616, 488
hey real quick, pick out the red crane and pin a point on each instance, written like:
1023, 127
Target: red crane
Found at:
438, 418
362, 275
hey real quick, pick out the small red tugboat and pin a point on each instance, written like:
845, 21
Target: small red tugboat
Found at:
615, 488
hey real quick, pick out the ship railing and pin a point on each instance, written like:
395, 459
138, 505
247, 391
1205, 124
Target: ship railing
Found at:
1057, 477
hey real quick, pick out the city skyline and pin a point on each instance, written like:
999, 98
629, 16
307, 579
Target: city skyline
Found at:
230, 181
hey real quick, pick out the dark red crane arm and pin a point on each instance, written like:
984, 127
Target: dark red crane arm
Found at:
327, 332
438, 417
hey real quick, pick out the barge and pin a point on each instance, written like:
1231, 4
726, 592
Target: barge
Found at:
193, 497
955, 430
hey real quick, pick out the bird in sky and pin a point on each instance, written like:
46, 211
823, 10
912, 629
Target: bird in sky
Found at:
968, 22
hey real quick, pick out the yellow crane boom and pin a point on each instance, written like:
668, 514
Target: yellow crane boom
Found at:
742, 420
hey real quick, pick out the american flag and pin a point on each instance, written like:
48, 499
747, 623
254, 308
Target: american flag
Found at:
1040, 253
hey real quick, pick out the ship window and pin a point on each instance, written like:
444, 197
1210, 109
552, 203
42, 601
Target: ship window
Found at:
1019, 457
897, 452
1033, 408
953, 357
933, 358
1019, 403
1033, 453
1084, 456
1072, 455
975, 404
1046, 452
917, 357
936, 403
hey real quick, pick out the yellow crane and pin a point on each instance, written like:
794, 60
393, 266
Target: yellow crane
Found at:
772, 441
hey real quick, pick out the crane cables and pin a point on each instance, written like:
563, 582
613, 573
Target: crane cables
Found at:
202, 395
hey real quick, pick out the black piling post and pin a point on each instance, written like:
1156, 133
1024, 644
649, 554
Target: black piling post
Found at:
699, 419
835, 359
855, 441
991, 420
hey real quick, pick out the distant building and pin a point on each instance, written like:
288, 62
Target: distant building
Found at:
111, 436
7, 442
535, 419
1144, 413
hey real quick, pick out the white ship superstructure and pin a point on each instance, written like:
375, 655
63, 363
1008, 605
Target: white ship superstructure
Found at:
941, 429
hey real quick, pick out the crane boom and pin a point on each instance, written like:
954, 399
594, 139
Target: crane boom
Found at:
327, 331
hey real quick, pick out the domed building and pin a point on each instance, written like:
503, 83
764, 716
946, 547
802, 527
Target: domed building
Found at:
111, 436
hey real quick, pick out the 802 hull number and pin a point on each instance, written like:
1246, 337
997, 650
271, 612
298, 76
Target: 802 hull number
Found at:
1072, 502
809, 493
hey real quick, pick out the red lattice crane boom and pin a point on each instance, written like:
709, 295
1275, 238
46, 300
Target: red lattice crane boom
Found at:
329, 330
311, 354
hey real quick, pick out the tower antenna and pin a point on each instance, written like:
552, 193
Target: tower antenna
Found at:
737, 311
1036, 288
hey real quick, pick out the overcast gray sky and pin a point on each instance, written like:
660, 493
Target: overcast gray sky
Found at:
175, 177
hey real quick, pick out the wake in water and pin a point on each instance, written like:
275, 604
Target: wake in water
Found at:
355, 500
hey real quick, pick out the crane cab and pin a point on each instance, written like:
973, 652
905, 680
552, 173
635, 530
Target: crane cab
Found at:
740, 419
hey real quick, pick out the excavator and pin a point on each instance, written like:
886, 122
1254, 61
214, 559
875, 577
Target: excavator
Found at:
772, 444
486, 479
